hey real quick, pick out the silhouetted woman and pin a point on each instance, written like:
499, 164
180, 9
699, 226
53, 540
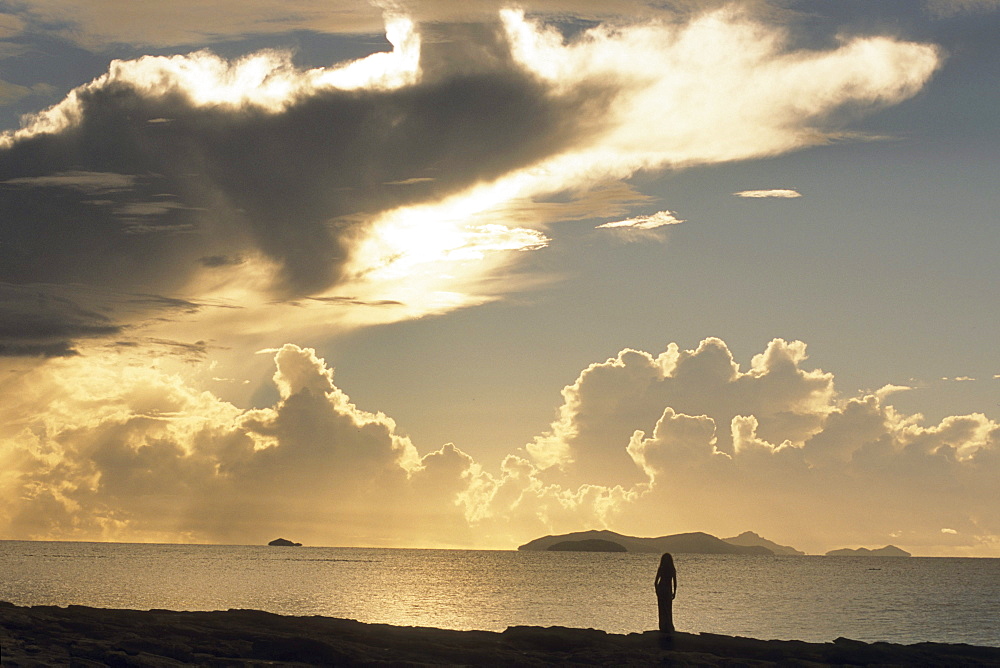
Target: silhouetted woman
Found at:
666, 589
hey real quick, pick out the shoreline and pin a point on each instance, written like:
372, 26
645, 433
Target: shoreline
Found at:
84, 636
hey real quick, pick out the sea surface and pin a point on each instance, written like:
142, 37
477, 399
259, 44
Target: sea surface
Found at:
816, 599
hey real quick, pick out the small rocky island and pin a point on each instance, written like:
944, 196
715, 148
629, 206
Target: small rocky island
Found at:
281, 542
589, 545
887, 551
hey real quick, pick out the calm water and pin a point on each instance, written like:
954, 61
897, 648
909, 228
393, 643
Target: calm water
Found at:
805, 598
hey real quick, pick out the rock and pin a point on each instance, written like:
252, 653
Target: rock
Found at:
281, 542
83, 636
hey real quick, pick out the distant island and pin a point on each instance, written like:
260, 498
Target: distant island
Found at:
281, 542
682, 543
750, 538
589, 545
887, 551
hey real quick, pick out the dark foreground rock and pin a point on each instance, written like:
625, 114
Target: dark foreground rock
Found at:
81, 636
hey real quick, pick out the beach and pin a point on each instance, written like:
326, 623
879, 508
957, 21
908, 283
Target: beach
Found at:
85, 636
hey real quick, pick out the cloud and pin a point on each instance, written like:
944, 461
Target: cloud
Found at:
39, 322
949, 531
10, 25
411, 176
780, 193
642, 227
248, 179
155, 458
135, 454
946, 8
100, 24
783, 462
11, 93
643, 444
613, 399
93, 183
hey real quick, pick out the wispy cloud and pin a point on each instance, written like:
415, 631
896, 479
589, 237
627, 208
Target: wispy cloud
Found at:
11, 93
99, 24
952, 7
781, 193
650, 222
83, 181
650, 227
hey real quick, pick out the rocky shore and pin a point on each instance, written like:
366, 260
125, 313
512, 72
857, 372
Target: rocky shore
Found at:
82, 636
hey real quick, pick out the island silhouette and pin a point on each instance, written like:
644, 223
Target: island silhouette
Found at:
887, 551
681, 543
751, 538
588, 545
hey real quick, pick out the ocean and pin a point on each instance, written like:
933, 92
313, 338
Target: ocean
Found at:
816, 599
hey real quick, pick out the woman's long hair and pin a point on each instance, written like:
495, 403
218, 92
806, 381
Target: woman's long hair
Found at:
666, 566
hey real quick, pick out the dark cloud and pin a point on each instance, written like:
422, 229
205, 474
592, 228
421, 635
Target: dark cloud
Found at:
354, 301
142, 189
248, 178
48, 320
159, 301
220, 260
37, 323
151, 180
190, 352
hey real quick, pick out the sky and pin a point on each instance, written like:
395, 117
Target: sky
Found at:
451, 274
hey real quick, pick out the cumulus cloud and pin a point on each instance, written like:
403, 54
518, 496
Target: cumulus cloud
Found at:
777, 192
154, 458
782, 463
408, 177
774, 447
683, 441
136, 454
610, 401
